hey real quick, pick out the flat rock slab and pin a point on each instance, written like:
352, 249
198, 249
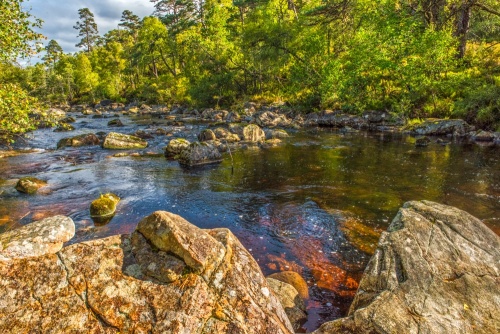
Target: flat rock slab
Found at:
120, 141
436, 270
42, 237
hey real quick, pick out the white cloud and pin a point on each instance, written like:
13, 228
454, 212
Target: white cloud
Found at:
60, 16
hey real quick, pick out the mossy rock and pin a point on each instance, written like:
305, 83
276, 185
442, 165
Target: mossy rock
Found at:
104, 206
64, 127
115, 123
68, 119
120, 141
175, 147
29, 185
77, 141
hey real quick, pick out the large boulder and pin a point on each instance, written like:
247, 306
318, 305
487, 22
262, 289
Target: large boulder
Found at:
253, 133
80, 140
36, 239
120, 141
270, 119
175, 147
200, 154
140, 284
439, 127
436, 270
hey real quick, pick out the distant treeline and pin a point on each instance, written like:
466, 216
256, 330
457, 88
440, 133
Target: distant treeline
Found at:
416, 58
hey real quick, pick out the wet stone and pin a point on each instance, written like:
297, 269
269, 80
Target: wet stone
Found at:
29, 185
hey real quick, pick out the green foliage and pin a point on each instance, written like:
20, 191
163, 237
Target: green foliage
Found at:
411, 58
17, 30
15, 107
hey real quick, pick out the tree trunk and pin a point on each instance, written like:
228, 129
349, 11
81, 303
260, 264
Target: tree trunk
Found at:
462, 25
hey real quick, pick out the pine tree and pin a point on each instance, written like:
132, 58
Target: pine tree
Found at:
53, 52
87, 29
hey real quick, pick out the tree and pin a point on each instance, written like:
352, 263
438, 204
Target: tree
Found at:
17, 31
177, 15
87, 29
130, 22
53, 52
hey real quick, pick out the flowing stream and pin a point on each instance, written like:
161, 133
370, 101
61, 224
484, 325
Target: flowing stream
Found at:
315, 205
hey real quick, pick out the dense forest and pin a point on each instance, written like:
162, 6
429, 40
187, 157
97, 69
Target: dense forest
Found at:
414, 58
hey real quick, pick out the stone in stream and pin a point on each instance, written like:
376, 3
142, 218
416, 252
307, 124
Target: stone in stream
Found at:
80, 140
206, 135
422, 142
64, 127
226, 135
115, 123
200, 154
484, 136
253, 133
205, 282
276, 134
289, 298
120, 141
295, 280
439, 127
36, 239
175, 147
435, 270
68, 119
29, 185
103, 208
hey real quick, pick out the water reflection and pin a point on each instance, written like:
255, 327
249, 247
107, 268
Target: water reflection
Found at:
316, 205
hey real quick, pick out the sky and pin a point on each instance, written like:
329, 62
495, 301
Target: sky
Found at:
60, 16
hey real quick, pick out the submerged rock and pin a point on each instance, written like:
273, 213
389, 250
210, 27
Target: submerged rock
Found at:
271, 143
36, 239
77, 141
289, 298
29, 185
253, 133
126, 284
175, 147
436, 270
120, 141
422, 142
199, 154
295, 280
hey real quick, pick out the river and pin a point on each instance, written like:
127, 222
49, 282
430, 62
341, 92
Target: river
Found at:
316, 205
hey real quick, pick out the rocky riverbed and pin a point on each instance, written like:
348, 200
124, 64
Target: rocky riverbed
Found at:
436, 270
309, 194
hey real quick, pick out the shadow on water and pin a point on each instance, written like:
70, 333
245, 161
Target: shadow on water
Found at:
316, 205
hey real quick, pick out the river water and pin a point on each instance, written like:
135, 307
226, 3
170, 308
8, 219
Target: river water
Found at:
315, 205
